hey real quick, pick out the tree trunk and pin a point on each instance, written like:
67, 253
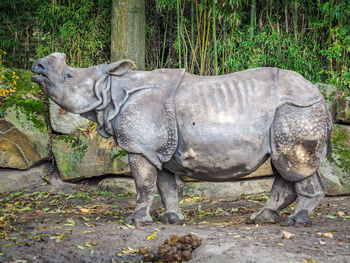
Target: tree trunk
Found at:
128, 31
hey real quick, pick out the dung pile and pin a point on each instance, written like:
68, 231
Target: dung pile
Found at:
175, 249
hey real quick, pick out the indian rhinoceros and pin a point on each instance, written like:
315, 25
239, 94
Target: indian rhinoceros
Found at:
216, 128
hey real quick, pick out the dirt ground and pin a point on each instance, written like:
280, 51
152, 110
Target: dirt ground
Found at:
61, 222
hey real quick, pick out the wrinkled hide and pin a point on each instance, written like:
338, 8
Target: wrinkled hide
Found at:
211, 128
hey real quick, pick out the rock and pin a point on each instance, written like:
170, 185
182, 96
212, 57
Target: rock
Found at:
264, 170
65, 122
79, 157
24, 136
336, 170
341, 136
12, 180
228, 190
343, 110
331, 94
335, 179
118, 185
236, 251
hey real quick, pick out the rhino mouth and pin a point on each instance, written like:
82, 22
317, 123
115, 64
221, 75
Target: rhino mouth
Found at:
41, 78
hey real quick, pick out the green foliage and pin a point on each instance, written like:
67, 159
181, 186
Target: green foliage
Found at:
309, 37
341, 153
77, 28
32, 29
205, 36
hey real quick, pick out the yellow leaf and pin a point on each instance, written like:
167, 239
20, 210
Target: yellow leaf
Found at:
8, 245
280, 244
84, 210
328, 235
287, 235
340, 213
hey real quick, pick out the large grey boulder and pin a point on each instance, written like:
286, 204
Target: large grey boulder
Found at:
343, 110
335, 179
118, 185
24, 135
81, 156
336, 170
12, 180
228, 190
65, 122
331, 95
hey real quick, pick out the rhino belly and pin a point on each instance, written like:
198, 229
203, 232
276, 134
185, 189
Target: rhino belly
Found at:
223, 125
220, 159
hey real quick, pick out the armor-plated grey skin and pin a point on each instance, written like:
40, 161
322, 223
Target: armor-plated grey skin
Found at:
218, 128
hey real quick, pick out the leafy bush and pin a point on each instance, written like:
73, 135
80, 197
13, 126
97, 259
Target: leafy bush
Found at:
31, 29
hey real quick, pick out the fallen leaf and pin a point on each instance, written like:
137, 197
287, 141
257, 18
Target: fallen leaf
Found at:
80, 247
328, 235
70, 222
340, 213
130, 250
8, 245
280, 244
287, 235
84, 210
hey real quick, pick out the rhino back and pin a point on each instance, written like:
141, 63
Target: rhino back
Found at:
295, 89
224, 122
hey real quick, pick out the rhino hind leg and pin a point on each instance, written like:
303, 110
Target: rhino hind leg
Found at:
310, 192
168, 191
282, 195
145, 176
298, 138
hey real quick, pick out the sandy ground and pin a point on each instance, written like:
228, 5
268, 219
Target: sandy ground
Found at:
61, 222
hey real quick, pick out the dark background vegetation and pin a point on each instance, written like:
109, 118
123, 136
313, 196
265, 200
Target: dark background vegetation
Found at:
205, 36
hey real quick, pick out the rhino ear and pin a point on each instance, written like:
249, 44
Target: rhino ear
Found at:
119, 67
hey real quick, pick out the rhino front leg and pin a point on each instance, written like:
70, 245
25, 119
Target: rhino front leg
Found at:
167, 187
310, 192
282, 195
145, 176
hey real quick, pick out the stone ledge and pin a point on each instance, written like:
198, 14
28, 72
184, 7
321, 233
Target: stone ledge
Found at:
12, 180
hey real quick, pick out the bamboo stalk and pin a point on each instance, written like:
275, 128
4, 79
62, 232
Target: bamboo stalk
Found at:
164, 44
296, 20
252, 19
286, 16
178, 31
193, 50
214, 39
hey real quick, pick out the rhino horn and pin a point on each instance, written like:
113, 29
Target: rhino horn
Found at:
119, 67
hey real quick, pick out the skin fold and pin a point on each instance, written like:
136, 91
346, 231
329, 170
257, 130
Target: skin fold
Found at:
216, 128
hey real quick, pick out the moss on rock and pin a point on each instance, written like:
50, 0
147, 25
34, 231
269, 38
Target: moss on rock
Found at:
81, 156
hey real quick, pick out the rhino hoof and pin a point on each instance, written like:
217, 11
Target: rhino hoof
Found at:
170, 218
300, 219
138, 221
265, 216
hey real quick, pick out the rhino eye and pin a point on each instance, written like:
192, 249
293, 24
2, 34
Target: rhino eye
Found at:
69, 76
